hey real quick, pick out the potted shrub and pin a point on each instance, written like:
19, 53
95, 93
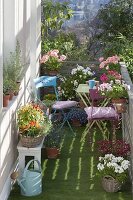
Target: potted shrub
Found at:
77, 116
52, 144
33, 124
113, 171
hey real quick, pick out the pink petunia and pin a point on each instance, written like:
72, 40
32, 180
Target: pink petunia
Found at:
101, 59
104, 78
62, 58
53, 53
102, 65
44, 58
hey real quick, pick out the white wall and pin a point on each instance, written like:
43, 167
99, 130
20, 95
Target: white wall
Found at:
19, 20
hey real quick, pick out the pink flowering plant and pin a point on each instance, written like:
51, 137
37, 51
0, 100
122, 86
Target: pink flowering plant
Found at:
110, 75
117, 167
52, 60
114, 90
111, 63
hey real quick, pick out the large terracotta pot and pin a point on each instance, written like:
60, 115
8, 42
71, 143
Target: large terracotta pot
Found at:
120, 105
52, 152
6, 100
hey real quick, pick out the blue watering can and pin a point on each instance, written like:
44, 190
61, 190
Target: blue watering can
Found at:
31, 180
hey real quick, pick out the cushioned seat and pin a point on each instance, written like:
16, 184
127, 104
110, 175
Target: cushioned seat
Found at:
101, 113
58, 105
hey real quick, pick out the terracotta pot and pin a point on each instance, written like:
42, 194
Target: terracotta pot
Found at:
6, 100
11, 96
120, 105
52, 152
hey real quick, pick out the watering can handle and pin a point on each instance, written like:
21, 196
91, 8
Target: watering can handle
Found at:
28, 164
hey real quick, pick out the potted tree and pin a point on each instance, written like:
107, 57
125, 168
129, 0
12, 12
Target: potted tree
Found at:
52, 144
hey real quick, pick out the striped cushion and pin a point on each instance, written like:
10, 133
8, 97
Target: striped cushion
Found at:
100, 112
58, 105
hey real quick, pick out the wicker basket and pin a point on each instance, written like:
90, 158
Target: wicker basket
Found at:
110, 184
31, 142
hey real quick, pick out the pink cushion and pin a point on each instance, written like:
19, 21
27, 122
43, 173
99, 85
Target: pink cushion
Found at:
100, 112
58, 105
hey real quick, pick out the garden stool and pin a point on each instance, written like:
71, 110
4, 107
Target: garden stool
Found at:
24, 151
46, 81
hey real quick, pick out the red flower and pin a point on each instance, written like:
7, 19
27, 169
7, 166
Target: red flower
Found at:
117, 148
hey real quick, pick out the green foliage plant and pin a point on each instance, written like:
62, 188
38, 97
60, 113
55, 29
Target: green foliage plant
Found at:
54, 15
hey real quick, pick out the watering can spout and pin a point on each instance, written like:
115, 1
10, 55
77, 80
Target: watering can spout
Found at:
21, 185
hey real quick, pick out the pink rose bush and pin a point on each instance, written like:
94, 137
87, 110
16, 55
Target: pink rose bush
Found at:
52, 60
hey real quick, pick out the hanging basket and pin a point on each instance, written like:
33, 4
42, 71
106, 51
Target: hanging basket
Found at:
110, 184
120, 105
31, 142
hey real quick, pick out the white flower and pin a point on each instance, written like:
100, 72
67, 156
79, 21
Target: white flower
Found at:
120, 158
100, 167
125, 164
118, 81
75, 83
79, 67
74, 71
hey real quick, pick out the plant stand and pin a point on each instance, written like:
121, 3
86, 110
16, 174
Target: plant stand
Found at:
24, 151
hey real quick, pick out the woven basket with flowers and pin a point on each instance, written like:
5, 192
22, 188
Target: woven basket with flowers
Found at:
33, 125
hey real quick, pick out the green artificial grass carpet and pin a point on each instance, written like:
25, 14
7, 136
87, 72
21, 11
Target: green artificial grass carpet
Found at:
72, 176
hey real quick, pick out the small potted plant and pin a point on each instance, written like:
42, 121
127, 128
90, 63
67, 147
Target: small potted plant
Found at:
52, 144
113, 171
6, 93
77, 116
33, 124
52, 61
117, 91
